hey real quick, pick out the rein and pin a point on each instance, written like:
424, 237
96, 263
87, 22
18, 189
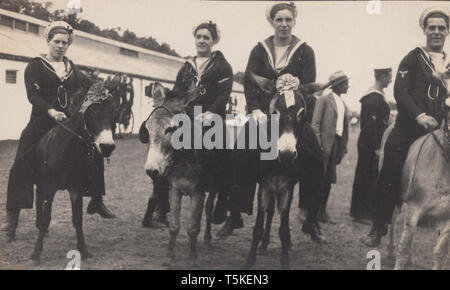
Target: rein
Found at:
81, 138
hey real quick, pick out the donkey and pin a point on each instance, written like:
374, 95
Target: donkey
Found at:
181, 169
425, 189
61, 156
277, 178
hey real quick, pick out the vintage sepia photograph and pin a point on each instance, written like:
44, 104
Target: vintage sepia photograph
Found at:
224, 135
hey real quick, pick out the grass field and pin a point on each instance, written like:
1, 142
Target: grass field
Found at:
123, 244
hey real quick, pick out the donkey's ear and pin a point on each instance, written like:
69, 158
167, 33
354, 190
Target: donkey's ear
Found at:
158, 93
144, 136
312, 88
266, 85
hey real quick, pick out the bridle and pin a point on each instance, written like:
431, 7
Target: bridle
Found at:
161, 107
97, 94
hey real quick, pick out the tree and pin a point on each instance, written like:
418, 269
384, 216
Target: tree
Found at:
129, 37
41, 10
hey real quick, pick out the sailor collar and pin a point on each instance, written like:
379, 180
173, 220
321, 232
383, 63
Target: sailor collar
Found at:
270, 49
208, 63
427, 58
49, 67
428, 61
374, 90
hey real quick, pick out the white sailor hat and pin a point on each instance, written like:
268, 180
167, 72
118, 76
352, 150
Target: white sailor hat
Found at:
432, 10
284, 5
59, 25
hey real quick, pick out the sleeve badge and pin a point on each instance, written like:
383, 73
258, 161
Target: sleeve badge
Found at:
403, 73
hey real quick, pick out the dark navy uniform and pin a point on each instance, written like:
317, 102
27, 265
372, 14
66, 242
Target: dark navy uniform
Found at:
45, 90
374, 118
300, 64
416, 91
217, 81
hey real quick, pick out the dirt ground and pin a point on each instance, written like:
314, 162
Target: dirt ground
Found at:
123, 244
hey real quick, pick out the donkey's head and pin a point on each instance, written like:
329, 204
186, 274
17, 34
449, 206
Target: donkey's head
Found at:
97, 110
289, 104
291, 115
157, 130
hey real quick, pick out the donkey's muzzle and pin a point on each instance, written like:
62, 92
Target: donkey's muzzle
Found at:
287, 156
107, 149
153, 173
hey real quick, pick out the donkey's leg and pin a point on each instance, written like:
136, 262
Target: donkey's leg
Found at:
11, 230
289, 202
77, 220
258, 231
152, 200
411, 218
44, 201
209, 206
267, 229
442, 247
284, 232
174, 224
391, 245
195, 220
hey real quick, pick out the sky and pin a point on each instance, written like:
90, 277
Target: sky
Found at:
343, 34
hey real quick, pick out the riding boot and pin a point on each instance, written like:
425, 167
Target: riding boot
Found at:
374, 237
161, 216
96, 205
219, 214
234, 221
312, 228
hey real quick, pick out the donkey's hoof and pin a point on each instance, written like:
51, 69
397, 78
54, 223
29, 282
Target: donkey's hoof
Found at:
193, 264
246, 266
36, 259
262, 251
86, 255
208, 243
390, 257
145, 223
286, 267
167, 265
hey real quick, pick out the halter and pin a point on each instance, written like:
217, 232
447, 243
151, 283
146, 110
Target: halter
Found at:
97, 94
161, 107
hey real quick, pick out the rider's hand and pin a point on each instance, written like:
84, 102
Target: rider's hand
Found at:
207, 115
377, 152
427, 122
204, 116
57, 115
259, 116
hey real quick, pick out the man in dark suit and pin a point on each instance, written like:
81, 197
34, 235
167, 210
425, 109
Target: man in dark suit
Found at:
330, 124
419, 91
374, 120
